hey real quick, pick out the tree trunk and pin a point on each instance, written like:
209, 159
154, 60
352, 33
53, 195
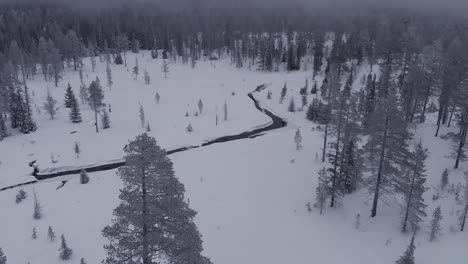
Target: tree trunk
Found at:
410, 196
426, 100
439, 119
95, 116
337, 150
464, 216
462, 139
379, 172
325, 142
451, 115
146, 258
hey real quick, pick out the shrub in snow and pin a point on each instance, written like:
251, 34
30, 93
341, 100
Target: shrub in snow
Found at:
105, 121
65, 252
357, 222
50, 105
196, 113
34, 233
141, 115
77, 149
444, 181
82, 261
3, 258
189, 128
200, 106
20, 196
186, 114
50, 234
37, 214
157, 98
269, 95
84, 178
309, 207
118, 59
148, 127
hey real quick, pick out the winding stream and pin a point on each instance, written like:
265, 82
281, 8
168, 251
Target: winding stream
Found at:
276, 123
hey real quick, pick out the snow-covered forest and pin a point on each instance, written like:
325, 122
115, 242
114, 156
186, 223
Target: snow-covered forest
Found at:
143, 132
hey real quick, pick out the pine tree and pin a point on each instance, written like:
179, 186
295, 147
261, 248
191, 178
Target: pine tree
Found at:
77, 149
412, 185
434, 226
292, 106
386, 149
148, 127
50, 234
69, 96
152, 201
34, 233
65, 253
96, 96
20, 196
110, 82
105, 121
147, 78
321, 190
75, 114
3, 128
84, 178
314, 89
189, 128
408, 256
283, 93
136, 68
165, 68
3, 258
298, 139
37, 214
304, 102
444, 180
200, 106
157, 97
84, 93
50, 105
225, 111
141, 115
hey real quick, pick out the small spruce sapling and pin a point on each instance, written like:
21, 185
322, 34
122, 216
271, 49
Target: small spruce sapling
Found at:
50, 105
292, 106
225, 111
34, 233
84, 178
189, 128
157, 98
298, 139
37, 214
444, 180
105, 120
65, 253
148, 127
77, 149
141, 115
83, 261
435, 227
50, 234
200, 106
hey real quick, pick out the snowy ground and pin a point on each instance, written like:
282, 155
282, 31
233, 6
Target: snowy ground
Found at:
250, 194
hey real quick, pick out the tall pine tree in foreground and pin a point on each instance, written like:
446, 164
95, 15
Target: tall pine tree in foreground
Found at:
3, 258
75, 115
69, 95
435, 227
408, 256
412, 185
152, 222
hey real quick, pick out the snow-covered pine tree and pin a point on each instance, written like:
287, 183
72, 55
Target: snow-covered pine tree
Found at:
148, 127
65, 253
105, 120
283, 93
34, 233
84, 178
200, 106
189, 128
304, 101
412, 185
50, 105
3, 128
96, 96
110, 82
386, 149
444, 180
3, 258
298, 139
435, 227
77, 149
84, 93
37, 214
408, 256
165, 68
69, 96
141, 115
292, 106
50, 234
147, 78
321, 190
20, 196
75, 114
152, 201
